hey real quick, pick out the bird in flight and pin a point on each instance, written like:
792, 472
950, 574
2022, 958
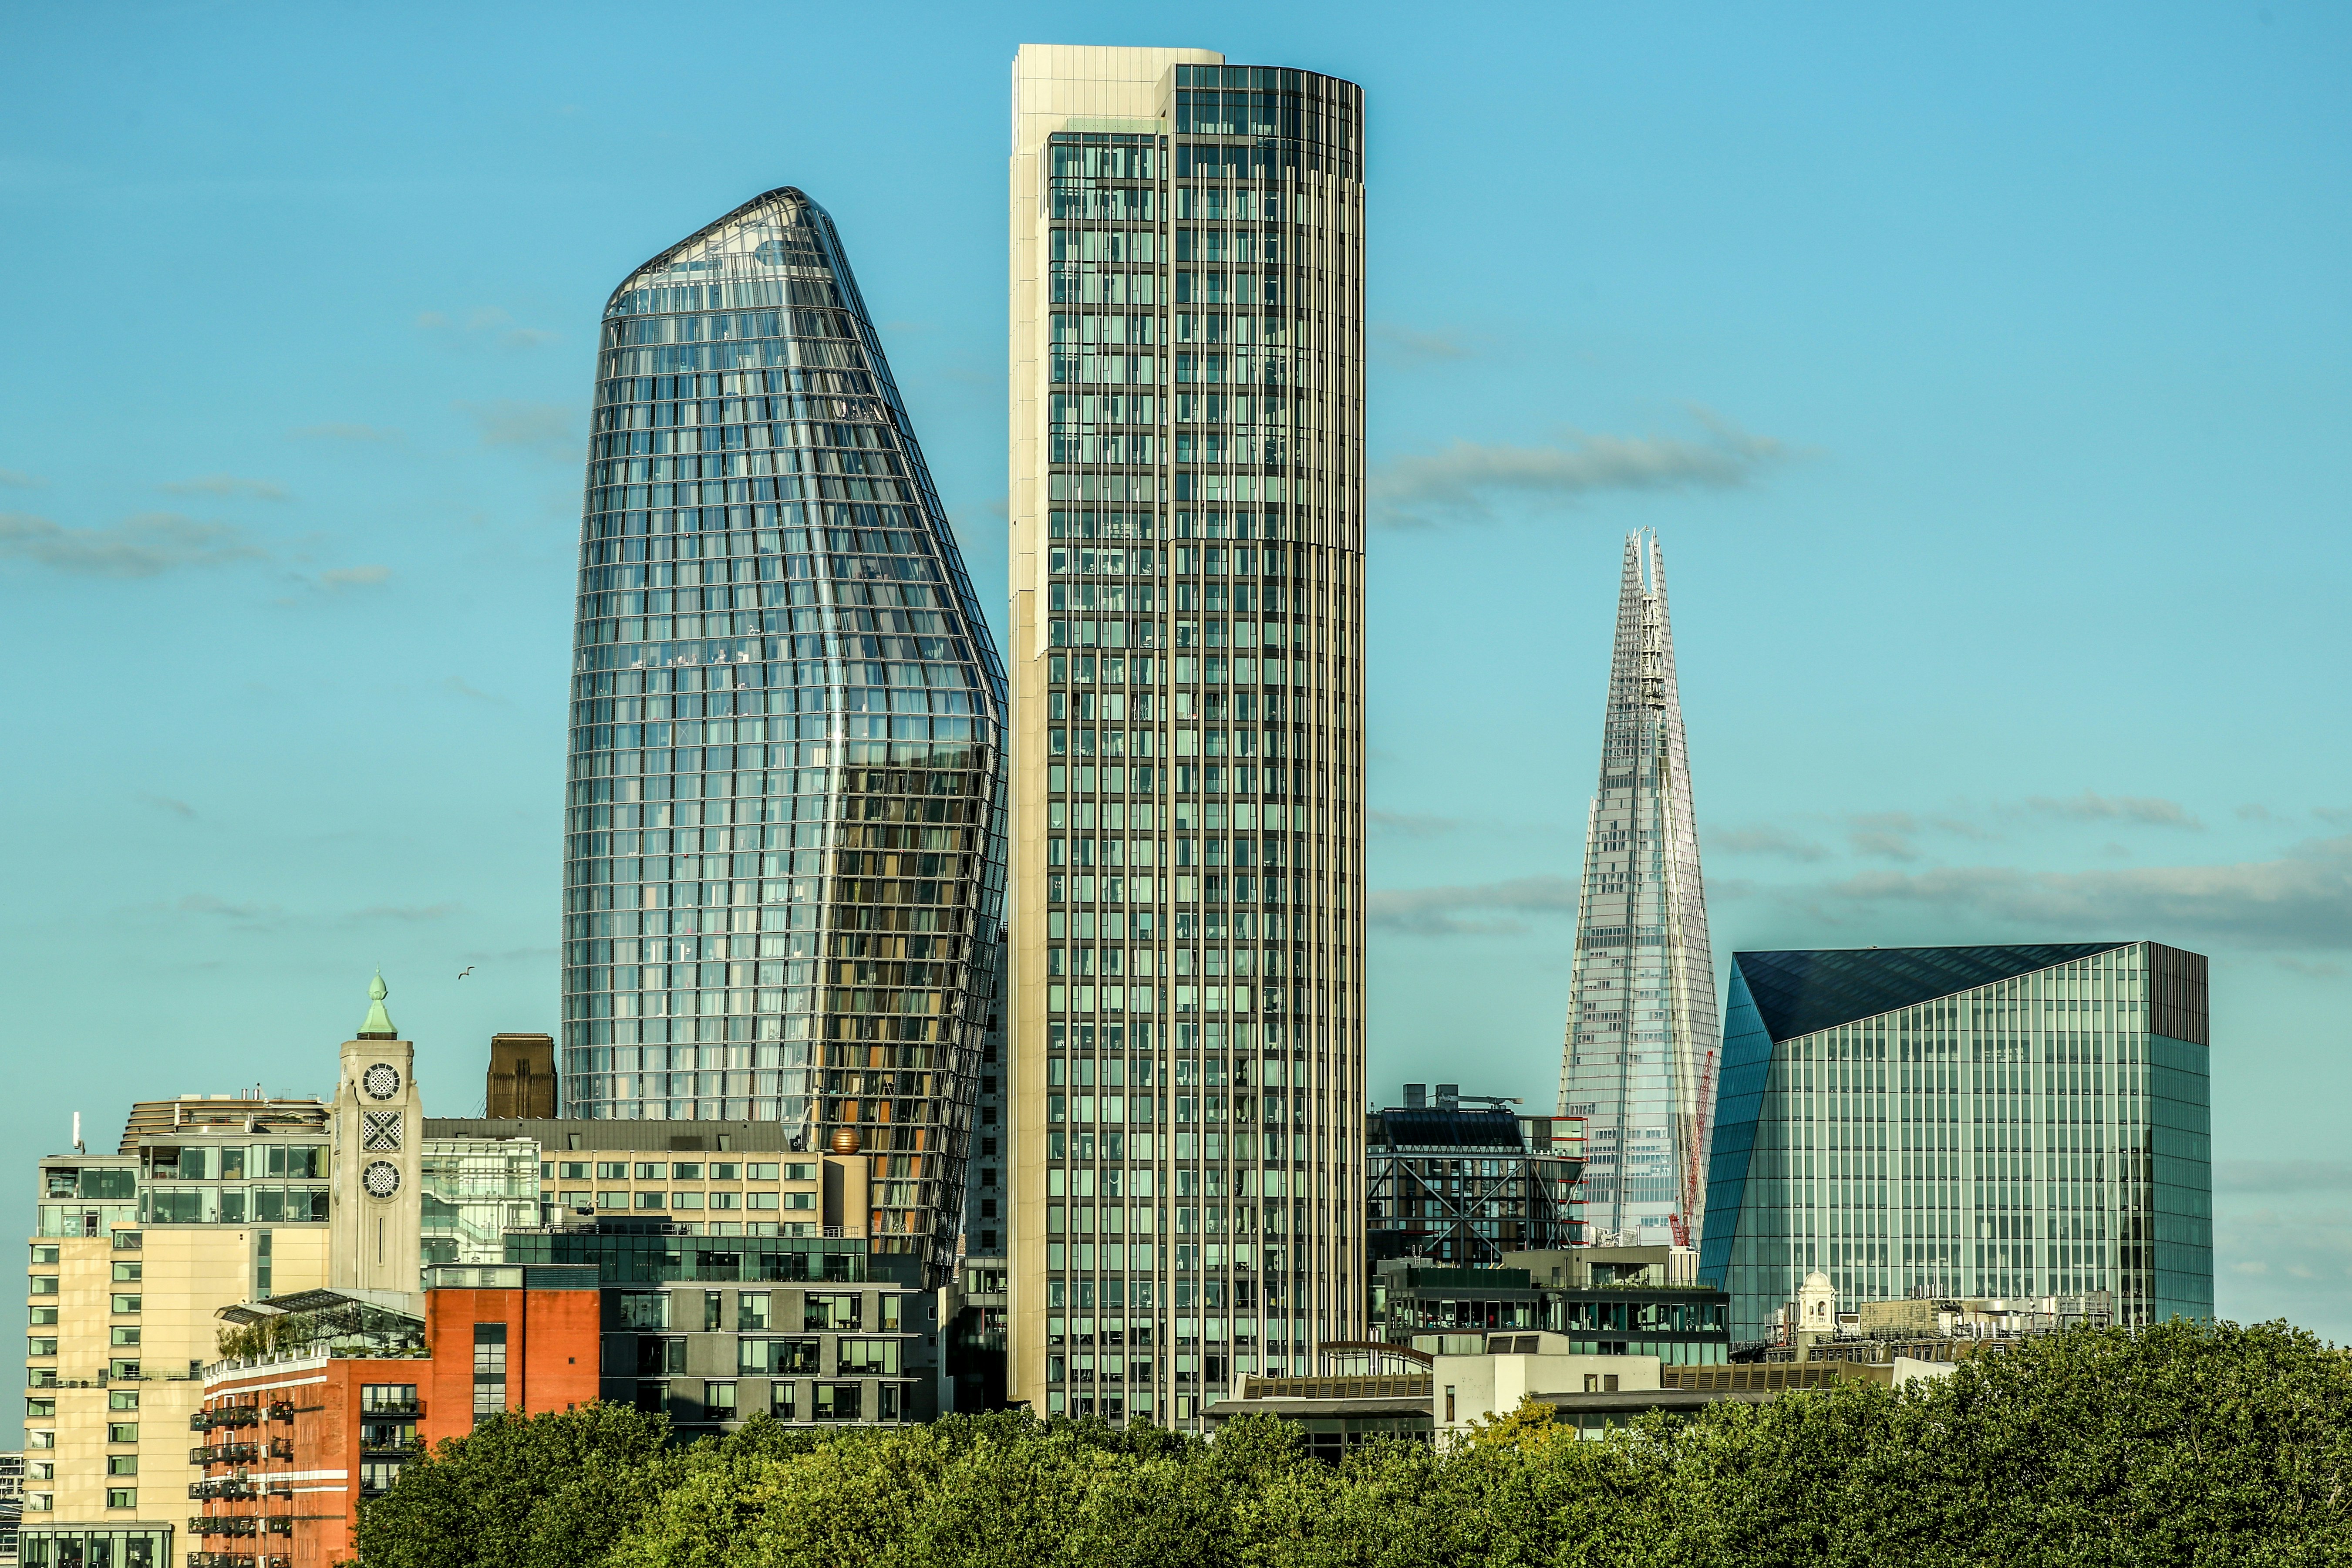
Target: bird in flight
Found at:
464, 972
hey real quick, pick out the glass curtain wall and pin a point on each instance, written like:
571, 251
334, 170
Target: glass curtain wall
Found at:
784, 843
2046, 1132
1187, 525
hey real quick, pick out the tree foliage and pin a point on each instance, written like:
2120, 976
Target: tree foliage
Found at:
2183, 1444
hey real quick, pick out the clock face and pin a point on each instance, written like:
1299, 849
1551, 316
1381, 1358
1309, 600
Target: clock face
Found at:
381, 1081
379, 1131
381, 1179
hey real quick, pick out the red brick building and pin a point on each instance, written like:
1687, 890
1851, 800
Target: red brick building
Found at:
292, 1443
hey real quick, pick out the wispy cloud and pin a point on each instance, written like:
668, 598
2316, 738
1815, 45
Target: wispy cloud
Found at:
1408, 345
17, 479
343, 432
2301, 901
221, 909
1461, 483
457, 685
1765, 840
166, 803
142, 546
2090, 807
402, 912
1483, 907
1411, 824
543, 429
228, 487
341, 577
2304, 1177
486, 322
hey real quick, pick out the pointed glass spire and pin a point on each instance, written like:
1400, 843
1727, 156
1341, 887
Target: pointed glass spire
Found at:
1642, 1029
784, 835
377, 1025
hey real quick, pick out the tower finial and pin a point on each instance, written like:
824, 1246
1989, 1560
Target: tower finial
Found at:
377, 1025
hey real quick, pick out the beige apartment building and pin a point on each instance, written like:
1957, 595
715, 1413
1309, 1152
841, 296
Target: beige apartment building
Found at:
1186, 655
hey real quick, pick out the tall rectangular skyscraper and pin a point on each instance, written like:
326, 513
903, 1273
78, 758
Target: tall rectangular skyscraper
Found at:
1642, 1022
1964, 1121
783, 874
1187, 510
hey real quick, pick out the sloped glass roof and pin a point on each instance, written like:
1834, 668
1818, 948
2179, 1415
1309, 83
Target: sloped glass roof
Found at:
1797, 993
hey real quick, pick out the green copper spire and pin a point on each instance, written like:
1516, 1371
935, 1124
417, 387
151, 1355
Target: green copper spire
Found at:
377, 1025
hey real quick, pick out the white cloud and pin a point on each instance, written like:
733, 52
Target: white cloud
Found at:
2090, 807
1460, 482
545, 430
17, 478
142, 546
1411, 824
1763, 840
1407, 345
1478, 908
354, 577
228, 486
2301, 901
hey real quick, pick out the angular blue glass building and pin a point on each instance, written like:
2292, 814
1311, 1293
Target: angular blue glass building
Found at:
1963, 1121
783, 863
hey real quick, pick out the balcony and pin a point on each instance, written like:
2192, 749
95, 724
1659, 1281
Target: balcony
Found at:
227, 1415
232, 1524
227, 1454
226, 1488
412, 1410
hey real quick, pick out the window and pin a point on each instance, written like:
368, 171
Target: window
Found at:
659, 1358
656, 1170
686, 1200
123, 1303
122, 1464
897, 1401
490, 1370
797, 1200
719, 1401
376, 1476
613, 1200
650, 1199
829, 1312
644, 1310
727, 1200
759, 1200
612, 1170
751, 1309
763, 1173
685, 1170
868, 1358
890, 1318
777, 1358
45, 1285
387, 1398
652, 1398
122, 1399
123, 1334
45, 1252
122, 1497
40, 1409
571, 1171
799, 1173
128, 1273
726, 1170
835, 1402
780, 1401
122, 1431
712, 1310
575, 1200
40, 1345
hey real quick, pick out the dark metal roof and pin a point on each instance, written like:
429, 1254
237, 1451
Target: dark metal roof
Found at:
1482, 1130
1799, 992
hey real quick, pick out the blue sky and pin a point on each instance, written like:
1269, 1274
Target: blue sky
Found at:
1983, 369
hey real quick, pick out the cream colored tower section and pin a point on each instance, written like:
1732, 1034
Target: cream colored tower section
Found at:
377, 1123
1185, 992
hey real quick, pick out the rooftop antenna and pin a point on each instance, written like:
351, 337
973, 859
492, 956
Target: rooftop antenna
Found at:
78, 1147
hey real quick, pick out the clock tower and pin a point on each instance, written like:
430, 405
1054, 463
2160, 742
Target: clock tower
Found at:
377, 1121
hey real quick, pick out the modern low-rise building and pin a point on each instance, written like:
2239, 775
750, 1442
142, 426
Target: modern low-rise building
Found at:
1994, 1123
1631, 1301
1462, 1184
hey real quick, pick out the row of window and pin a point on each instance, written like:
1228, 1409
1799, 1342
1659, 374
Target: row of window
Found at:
674, 1202
754, 1310
680, 1170
826, 1401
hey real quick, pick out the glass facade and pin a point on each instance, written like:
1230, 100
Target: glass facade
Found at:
1187, 521
1639, 1055
1964, 1123
783, 853
472, 1192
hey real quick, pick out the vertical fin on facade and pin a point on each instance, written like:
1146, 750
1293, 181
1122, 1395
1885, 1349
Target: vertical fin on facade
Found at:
1642, 1026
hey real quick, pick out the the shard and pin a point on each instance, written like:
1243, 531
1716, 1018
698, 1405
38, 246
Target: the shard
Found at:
1642, 1030
784, 830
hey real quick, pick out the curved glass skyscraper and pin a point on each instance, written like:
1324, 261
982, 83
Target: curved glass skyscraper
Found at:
784, 841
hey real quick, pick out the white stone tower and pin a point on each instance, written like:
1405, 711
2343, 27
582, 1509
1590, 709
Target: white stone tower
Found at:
377, 1121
